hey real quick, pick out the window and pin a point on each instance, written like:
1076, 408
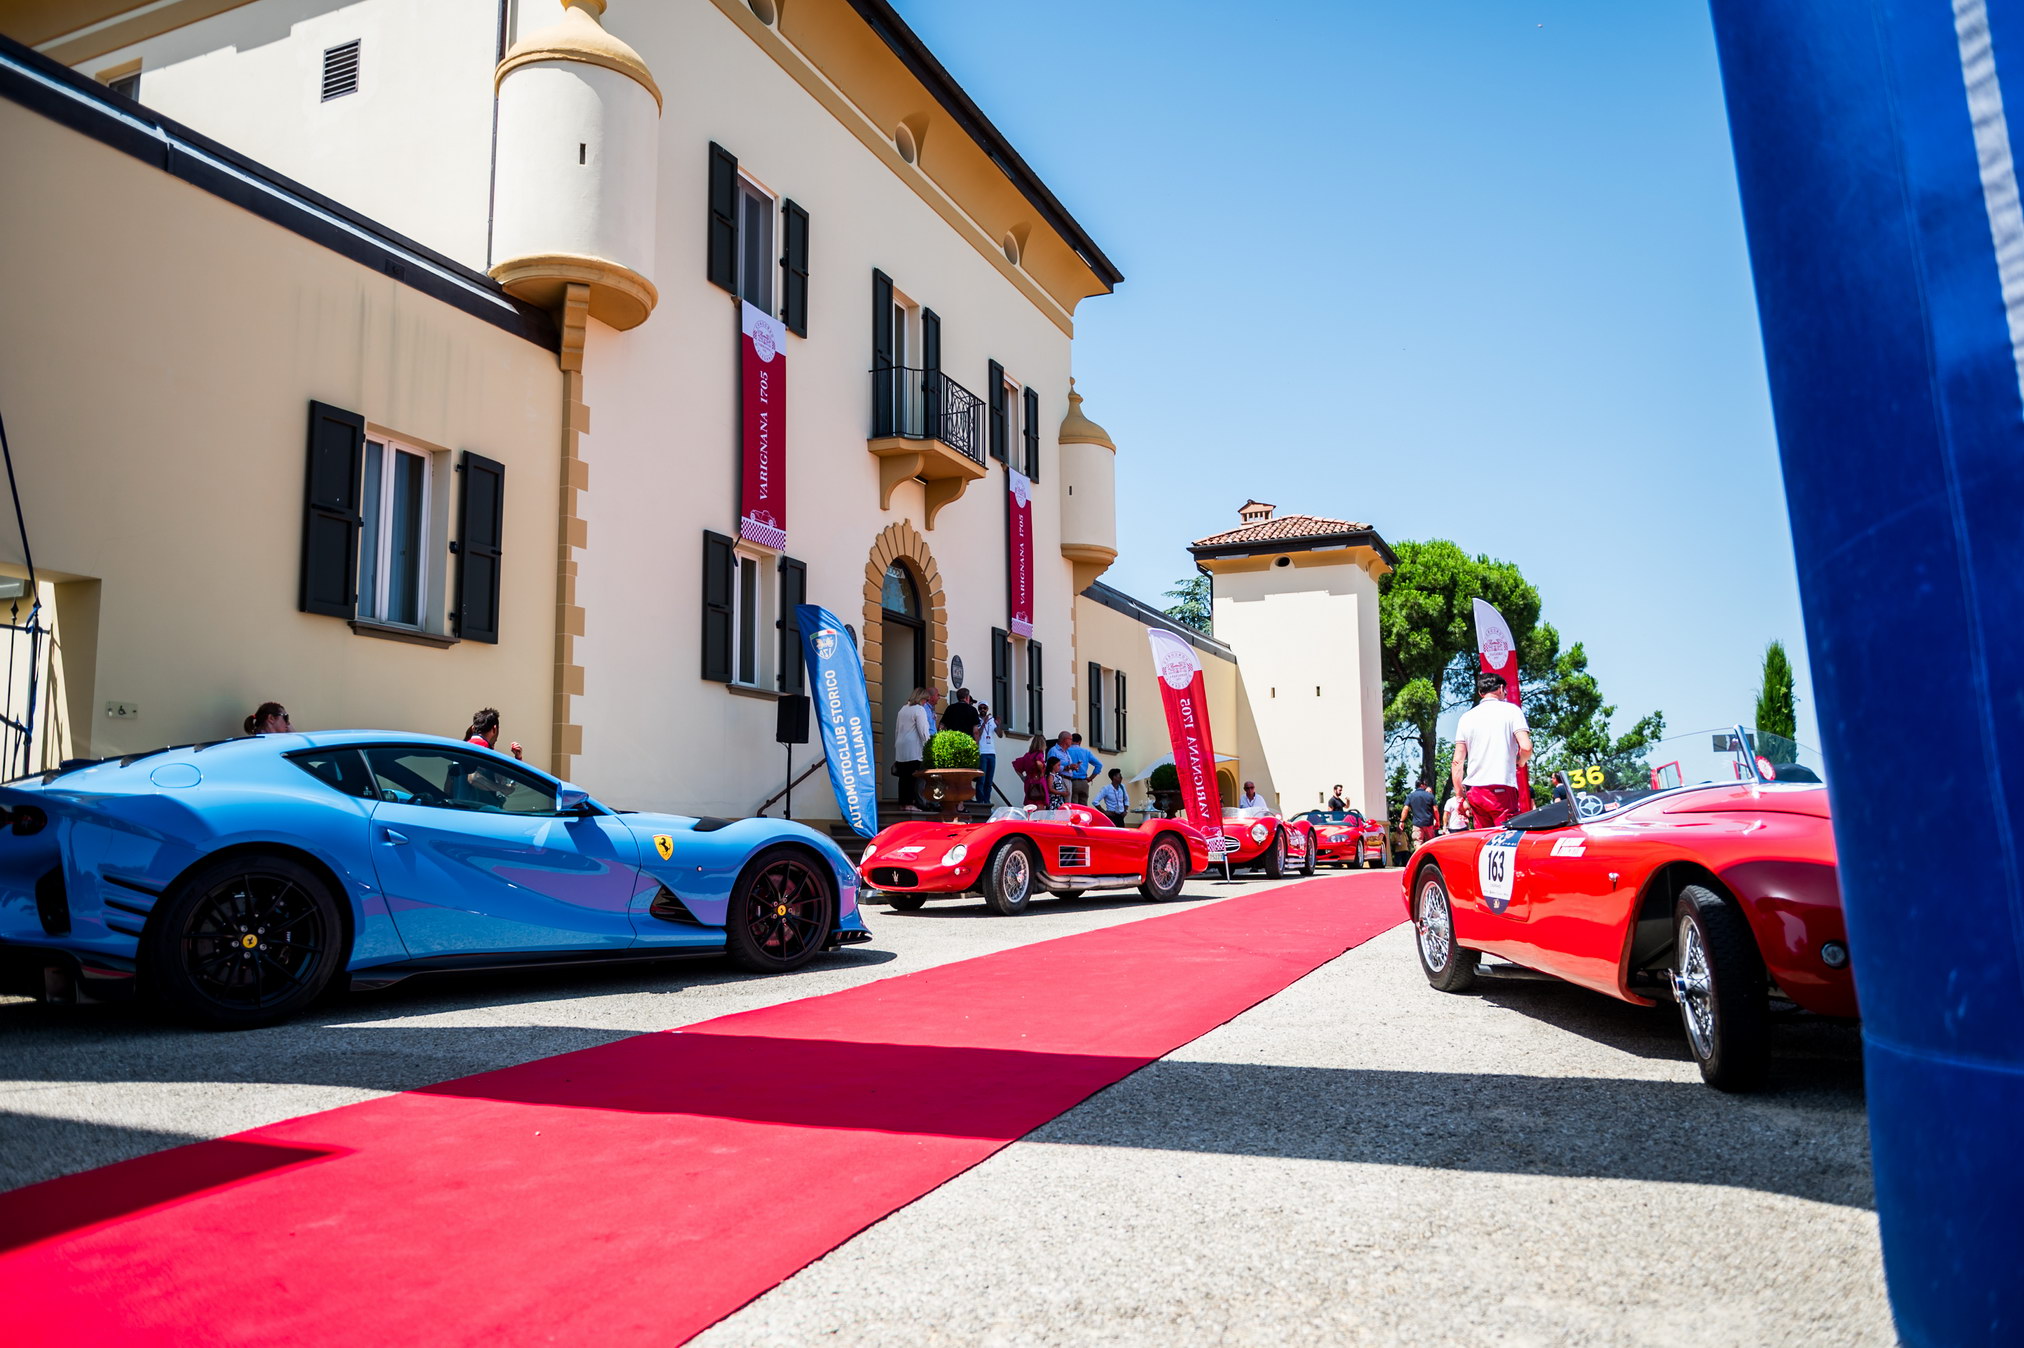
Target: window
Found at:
126, 83
340, 70
392, 552
1017, 697
447, 779
756, 258
341, 769
1106, 708
749, 595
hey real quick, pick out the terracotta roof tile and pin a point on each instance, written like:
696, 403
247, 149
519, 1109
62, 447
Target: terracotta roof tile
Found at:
1285, 527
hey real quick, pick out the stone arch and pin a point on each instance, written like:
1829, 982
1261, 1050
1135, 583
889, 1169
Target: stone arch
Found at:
902, 543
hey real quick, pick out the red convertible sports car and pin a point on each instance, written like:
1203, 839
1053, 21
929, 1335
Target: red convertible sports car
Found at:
1018, 851
1720, 896
1346, 838
1262, 839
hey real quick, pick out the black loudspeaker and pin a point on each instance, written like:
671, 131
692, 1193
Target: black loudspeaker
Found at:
790, 725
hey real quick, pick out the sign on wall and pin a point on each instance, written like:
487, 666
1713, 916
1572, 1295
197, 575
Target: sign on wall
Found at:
1019, 551
1185, 695
762, 495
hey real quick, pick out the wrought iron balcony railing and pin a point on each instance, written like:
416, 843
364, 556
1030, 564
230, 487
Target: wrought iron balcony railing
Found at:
927, 405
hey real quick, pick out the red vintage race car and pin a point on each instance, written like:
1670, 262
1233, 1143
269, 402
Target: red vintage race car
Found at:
1718, 896
1346, 838
1259, 837
1018, 852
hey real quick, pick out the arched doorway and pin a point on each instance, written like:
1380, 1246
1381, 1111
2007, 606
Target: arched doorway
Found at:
906, 628
1226, 785
903, 641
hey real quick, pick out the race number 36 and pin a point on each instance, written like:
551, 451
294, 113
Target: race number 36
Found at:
1494, 867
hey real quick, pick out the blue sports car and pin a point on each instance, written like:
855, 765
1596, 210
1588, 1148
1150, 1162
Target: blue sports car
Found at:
234, 881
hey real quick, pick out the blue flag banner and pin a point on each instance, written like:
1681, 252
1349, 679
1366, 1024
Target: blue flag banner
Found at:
842, 714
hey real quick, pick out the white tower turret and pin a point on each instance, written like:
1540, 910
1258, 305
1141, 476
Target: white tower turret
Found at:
1088, 494
579, 118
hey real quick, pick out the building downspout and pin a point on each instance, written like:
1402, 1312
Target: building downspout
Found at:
571, 533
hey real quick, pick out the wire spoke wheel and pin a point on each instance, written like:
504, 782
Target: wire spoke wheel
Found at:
1449, 967
253, 941
1694, 988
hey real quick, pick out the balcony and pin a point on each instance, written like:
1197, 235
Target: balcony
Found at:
926, 426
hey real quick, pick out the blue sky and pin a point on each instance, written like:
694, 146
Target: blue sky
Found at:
1473, 270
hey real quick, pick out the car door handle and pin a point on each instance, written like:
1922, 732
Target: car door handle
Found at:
393, 839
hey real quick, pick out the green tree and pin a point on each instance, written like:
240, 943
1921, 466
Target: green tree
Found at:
1191, 603
1571, 726
1775, 698
1427, 636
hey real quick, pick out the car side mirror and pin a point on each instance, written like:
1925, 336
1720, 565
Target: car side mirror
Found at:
571, 799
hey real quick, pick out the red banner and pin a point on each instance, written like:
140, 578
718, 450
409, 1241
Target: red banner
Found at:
1019, 550
1187, 704
1495, 649
762, 496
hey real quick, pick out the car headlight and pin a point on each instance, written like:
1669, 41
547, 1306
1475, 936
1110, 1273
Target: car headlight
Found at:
869, 848
1259, 833
955, 854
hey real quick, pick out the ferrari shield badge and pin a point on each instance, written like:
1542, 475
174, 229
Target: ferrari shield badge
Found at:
1494, 867
665, 845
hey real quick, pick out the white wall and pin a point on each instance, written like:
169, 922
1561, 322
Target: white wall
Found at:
1297, 629
662, 446
411, 149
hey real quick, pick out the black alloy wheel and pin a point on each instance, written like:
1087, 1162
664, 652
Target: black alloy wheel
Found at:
243, 941
1722, 990
1009, 877
1166, 869
782, 912
1275, 856
1448, 967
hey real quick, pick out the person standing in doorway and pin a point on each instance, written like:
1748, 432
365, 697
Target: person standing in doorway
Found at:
1113, 800
912, 729
962, 714
1493, 747
1420, 809
987, 751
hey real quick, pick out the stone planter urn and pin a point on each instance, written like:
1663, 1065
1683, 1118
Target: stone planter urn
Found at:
949, 789
1167, 803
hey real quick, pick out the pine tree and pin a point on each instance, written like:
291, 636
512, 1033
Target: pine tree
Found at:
1191, 608
1775, 699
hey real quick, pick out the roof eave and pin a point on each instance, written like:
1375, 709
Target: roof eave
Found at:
1367, 538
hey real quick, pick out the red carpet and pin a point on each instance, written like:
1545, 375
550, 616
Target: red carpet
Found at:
640, 1191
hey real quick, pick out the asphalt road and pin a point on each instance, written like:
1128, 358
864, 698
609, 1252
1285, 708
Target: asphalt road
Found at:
1357, 1160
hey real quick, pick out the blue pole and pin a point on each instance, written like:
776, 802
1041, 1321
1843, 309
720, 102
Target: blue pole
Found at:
1872, 148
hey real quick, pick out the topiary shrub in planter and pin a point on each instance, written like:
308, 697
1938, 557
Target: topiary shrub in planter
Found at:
950, 779
1165, 784
952, 749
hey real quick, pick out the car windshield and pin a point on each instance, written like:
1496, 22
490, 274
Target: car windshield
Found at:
1246, 811
1739, 754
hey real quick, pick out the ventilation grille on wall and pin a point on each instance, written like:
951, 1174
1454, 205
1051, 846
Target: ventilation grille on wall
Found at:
340, 70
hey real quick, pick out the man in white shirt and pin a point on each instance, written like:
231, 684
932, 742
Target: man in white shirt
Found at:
1114, 800
1250, 800
1493, 746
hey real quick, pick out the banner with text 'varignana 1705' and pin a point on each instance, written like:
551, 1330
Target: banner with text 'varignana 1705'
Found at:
1187, 703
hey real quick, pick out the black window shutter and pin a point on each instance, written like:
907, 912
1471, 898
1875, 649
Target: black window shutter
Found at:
1036, 704
1097, 731
1119, 742
794, 269
330, 521
1032, 434
481, 534
793, 593
723, 218
1001, 678
995, 378
882, 409
718, 571
931, 369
